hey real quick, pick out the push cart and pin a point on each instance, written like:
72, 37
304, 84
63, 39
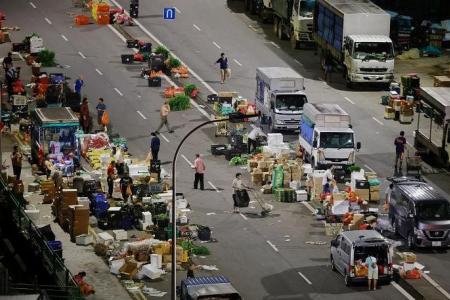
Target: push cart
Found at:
413, 163
266, 208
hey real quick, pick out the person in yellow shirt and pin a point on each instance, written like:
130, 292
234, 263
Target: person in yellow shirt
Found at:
165, 109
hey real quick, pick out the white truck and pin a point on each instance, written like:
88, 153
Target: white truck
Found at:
326, 136
432, 136
280, 97
355, 33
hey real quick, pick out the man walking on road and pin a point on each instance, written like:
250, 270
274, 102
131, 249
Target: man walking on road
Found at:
224, 70
101, 108
165, 109
154, 146
16, 161
79, 83
399, 143
199, 166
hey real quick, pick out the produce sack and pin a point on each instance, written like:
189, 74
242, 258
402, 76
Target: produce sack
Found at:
277, 177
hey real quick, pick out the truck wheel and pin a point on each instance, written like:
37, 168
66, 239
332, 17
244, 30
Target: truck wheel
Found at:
280, 33
294, 42
275, 25
347, 279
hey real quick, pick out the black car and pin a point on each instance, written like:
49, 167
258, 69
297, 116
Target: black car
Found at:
421, 214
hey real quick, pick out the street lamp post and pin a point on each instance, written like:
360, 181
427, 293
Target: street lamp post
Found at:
234, 118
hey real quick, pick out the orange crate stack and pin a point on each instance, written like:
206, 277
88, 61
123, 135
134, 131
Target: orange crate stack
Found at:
103, 19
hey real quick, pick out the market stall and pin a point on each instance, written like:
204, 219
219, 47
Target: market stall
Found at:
53, 135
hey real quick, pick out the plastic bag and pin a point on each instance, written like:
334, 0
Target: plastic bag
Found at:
105, 118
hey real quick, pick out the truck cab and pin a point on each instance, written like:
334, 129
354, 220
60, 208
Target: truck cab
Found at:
208, 287
285, 109
368, 58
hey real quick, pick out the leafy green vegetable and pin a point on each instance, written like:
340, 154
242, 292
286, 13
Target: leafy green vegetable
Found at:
179, 102
188, 88
162, 50
47, 58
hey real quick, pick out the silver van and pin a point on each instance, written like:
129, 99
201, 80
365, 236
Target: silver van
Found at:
350, 246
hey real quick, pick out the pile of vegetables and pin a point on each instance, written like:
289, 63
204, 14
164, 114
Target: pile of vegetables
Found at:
238, 160
192, 248
190, 90
162, 50
179, 102
119, 142
47, 58
173, 63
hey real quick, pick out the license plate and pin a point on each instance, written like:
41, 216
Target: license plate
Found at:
436, 244
338, 166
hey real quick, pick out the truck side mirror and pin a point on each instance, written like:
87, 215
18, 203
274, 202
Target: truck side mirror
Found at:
315, 144
272, 105
358, 145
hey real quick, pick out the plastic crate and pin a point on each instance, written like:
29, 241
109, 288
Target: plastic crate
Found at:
19, 100
155, 188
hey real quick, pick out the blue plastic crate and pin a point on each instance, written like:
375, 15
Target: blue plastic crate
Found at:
55, 245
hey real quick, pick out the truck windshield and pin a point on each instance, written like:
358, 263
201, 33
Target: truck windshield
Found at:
433, 211
378, 51
307, 8
336, 140
290, 102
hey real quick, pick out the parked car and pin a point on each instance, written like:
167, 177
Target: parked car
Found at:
421, 214
349, 247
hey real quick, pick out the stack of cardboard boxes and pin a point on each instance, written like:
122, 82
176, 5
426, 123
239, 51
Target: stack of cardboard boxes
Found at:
61, 206
49, 190
357, 220
374, 186
77, 220
362, 189
406, 112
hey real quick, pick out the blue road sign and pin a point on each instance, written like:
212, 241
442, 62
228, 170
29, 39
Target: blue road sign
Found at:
169, 13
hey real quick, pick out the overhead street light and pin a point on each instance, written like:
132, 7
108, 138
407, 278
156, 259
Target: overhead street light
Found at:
236, 117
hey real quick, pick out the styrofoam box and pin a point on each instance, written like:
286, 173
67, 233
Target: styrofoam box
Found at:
143, 225
146, 200
105, 238
274, 138
302, 195
115, 265
120, 235
33, 214
156, 260
307, 168
151, 271
295, 185
147, 217
181, 203
84, 239
114, 209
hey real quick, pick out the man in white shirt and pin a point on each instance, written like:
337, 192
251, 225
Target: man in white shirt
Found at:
388, 202
252, 137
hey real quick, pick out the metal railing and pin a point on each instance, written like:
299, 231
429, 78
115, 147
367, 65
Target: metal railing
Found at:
66, 287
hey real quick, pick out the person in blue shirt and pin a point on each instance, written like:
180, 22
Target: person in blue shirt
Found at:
154, 146
101, 107
372, 274
224, 70
79, 84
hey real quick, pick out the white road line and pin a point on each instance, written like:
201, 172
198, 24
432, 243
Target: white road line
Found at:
370, 169
349, 100
243, 216
436, 285
187, 160
98, 71
118, 92
272, 245
378, 121
304, 277
20, 55
298, 62
32, 5
81, 54
236, 61
117, 33
275, 45
308, 206
214, 187
252, 28
217, 45
142, 115
196, 27
402, 291
164, 137
178, 11
48, 21
64, 37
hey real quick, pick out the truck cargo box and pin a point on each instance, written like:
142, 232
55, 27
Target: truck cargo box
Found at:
325, 115
280, 79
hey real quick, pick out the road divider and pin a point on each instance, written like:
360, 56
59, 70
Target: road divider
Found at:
213, 186
48, 21
304, 277
349, 100
196, 27
164, 137
81, 54
142, 115
272, 245
118, 92
32, 5
378, 121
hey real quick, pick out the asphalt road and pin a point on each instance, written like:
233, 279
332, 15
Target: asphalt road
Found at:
252, 251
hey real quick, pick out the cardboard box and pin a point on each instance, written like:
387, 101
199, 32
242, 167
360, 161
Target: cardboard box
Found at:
340, 196
84, 239
257, 178
301, 195
374, 196
363, 193
374, 188
105, 238
120, 235
129, 269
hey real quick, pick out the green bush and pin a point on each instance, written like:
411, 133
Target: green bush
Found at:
162, 50
47, 58
174, 63
179, 102
188, 88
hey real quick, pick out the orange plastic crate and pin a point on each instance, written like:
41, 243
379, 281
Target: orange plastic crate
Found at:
102, 8
103, 19
81, 20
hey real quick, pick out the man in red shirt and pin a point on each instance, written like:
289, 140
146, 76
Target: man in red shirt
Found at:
199, 166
